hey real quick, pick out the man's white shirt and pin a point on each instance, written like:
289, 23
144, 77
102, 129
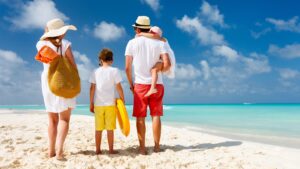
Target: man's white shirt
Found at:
145, 53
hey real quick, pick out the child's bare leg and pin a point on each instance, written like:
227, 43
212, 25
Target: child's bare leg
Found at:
154, 73
110, 138
98, 136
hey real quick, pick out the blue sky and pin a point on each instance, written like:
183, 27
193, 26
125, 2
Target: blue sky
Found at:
227, 51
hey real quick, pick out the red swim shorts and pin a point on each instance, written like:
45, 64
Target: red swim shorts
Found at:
154, 101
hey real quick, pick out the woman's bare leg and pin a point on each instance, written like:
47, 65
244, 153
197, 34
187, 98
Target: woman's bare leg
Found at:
52, 133
64, 119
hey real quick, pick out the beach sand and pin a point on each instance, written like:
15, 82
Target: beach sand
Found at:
23, 138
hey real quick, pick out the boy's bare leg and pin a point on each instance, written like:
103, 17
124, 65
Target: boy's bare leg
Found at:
141, 130
154, 74
52, 133
98, 137
110, 139
156, 127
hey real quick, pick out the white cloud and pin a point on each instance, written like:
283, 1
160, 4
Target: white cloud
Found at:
186, 71
17, 80
237, 67
35, 14
193, 26
205, 69
289, 51
85, 68
108, 31
257, 35
216, 75
291, 25
84, 65
10, 56
21, 80
256, 64
225, 51
288, 73
212, 14
154, 4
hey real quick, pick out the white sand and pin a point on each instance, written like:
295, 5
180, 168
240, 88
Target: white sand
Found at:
23, 138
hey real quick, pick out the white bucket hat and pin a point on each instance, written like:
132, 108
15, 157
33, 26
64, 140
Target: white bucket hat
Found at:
156, 30
142, 22
57, 27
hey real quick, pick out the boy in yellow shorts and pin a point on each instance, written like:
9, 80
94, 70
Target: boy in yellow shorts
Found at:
104, 80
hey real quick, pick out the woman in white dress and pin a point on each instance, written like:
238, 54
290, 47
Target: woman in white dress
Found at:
58, 108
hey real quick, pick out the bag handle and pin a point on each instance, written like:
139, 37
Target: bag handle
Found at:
60, 47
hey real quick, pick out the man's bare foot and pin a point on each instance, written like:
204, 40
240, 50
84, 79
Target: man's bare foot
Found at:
157, 149
98, 152
143, 151
113, 152
151, 91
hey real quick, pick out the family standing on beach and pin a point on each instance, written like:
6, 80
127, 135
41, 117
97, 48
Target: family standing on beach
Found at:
148, 54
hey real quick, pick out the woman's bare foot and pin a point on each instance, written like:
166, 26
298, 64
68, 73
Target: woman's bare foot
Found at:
51, 154
113, 152
98, 152
59, 155
151, 91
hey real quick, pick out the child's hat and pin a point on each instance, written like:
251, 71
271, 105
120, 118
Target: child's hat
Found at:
156, 30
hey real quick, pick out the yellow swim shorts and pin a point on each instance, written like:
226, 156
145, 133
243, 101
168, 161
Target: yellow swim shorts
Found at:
105, 117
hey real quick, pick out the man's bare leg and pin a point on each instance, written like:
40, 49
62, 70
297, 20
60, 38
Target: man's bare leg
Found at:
141, 131
156, 126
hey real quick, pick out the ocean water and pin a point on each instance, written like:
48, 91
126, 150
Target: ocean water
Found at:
268, 123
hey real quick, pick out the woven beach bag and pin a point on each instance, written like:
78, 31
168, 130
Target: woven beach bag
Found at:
63, 78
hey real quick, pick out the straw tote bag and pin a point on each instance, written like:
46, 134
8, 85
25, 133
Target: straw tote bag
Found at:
63, 77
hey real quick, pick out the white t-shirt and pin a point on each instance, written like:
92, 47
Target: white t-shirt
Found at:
146, 53
105, 79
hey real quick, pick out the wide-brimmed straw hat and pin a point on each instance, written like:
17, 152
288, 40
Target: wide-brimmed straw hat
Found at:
57, 27
142, 22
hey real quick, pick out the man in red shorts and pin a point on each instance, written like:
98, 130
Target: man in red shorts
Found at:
143, 53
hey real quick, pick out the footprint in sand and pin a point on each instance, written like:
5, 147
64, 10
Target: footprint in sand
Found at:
5, 128
15, 164
38, 138
10, 148
7, 141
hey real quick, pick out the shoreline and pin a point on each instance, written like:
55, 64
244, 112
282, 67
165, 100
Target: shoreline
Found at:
268, 140
23, 139
293, 143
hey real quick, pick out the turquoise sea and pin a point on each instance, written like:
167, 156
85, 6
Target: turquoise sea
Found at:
277, 124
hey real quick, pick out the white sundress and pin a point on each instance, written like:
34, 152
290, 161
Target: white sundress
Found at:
53, 103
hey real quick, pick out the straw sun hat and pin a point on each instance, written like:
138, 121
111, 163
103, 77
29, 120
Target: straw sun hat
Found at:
57, 27
142, 22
